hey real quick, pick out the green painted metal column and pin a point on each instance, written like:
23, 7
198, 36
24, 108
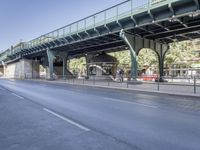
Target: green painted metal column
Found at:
64, 56
134, 65
64, 68
161, 67
161, 50
50, 56
87, 59
130, 41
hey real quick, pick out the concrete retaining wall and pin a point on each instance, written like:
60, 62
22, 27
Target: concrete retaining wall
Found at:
22, 69
1, 71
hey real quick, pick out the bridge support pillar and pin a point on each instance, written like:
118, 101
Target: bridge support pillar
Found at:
129, 39
3, 69
161, 50
64, 56
87, 58
45, 65
23, 69
50, 57
136, 43
35, 68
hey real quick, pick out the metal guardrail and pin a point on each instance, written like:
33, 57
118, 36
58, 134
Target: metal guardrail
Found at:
4, 55
174, 87
115, 13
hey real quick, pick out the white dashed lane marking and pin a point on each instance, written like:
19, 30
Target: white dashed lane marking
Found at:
17, 96
127, 102
67, 120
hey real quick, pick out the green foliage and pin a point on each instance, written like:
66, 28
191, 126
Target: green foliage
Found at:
147, 57
77, 64
123, 58
180, 52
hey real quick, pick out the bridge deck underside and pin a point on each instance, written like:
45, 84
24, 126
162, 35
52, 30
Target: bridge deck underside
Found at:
176, 21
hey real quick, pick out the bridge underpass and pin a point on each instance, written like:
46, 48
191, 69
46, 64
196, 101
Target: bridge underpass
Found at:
129, 25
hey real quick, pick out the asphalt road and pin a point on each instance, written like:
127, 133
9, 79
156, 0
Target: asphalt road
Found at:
36, 115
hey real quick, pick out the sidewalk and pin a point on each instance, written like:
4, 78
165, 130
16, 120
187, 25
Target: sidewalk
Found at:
151, 87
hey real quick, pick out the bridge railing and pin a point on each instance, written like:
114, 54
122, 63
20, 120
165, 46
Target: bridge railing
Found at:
4, 54
112, 14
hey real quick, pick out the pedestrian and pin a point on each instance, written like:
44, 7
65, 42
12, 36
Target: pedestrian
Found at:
122, 75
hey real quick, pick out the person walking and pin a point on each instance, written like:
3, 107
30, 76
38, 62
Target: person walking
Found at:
122, 75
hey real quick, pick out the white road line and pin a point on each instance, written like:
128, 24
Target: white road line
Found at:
133, 103
66, 119
43, 85
17, 96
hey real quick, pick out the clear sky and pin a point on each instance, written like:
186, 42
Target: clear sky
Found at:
23, 20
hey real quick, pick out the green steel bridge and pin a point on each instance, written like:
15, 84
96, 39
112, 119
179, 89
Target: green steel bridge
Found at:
132, 25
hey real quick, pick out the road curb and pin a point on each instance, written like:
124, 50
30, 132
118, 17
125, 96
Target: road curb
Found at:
125, 89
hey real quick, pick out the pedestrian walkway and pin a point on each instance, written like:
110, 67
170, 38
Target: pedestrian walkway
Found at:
183, 89
155, 87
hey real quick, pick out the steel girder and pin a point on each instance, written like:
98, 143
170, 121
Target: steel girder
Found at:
164, 23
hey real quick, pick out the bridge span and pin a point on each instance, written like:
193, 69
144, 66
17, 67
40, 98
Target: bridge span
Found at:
129, 25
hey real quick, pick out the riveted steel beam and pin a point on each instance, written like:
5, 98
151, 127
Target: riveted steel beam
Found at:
129, 39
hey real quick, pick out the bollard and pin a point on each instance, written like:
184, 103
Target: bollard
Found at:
93, 80
195, 89
127, 84
158, 87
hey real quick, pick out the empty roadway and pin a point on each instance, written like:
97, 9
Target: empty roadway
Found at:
40, 115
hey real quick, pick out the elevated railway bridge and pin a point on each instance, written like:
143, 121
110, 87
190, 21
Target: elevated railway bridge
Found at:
129, 25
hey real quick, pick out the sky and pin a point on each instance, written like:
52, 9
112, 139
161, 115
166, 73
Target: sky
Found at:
23, 20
